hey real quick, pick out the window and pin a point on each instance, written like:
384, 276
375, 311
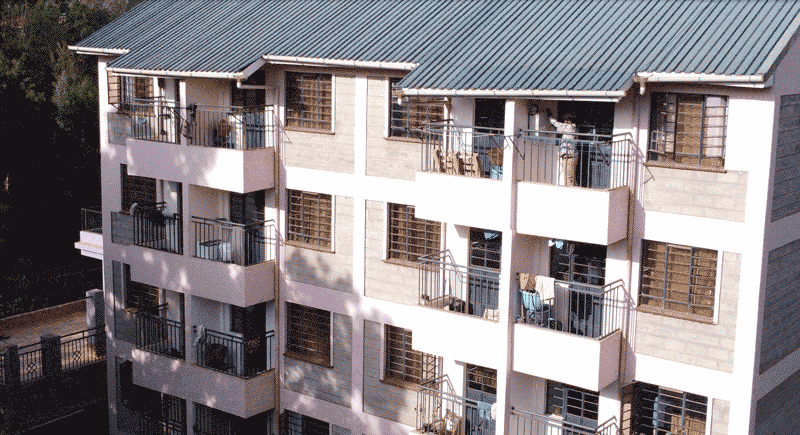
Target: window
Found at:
482, 383
409, 237
309, 333
688, 129
126, 89
140, 190
404, 363
660, 411
408, 119
237, 319
680, 279
308, 101
310, 217
209, 421
485, 248
294, 423
575, 405
138, 295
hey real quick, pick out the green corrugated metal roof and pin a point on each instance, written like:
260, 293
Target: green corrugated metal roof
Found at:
577, 45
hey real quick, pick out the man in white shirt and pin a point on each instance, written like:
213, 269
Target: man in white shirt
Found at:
566, 151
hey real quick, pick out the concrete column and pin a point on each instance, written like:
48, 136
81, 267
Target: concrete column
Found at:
9, 401
95, 309
51, 355
11, 366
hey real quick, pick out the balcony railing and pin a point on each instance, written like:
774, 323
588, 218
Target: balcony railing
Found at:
583, 160
529, 423
154, 120
581, 309
240, 128
232, 127
82, 348
228, 242
234, 355
440, 411
31, 362
92, 219
158, 334
463, 150
448, 286
154, 229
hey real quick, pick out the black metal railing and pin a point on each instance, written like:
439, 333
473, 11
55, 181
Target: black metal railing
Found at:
529, 423
235, 355
158, 334
92, 219
580, 309
440, 411
82, 348
30, 362
154, 120
448, 286
582, 160
463, 150
228, 242
240, 128
154, 229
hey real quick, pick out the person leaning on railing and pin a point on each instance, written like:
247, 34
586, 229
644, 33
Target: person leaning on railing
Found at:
566, 150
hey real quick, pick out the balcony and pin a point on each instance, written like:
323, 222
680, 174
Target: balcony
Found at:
154, 229
459, 165
91, 235
440, 411
234, 355
583, 183
529, 423
584, 321
445, 285
157, 334
465, 299
226, 147
228, 242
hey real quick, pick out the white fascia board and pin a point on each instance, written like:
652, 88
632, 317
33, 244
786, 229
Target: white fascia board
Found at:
318, 61
97, 51
609, 96
165, 73
673, 77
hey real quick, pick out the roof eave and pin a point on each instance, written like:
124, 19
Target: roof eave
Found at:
184, 74
673, 77
319, 61
93, 51
610, 96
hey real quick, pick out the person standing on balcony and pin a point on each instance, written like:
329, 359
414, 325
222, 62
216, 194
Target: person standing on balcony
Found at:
566, 150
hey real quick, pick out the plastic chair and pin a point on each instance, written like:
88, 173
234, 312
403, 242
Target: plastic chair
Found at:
534, 306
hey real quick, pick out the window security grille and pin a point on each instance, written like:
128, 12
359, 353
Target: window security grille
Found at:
299, 424
677, 278
575, 405
662, 411
308, 101
408, 119
308, 333
404, 363
310, 216
688, 129
409, 237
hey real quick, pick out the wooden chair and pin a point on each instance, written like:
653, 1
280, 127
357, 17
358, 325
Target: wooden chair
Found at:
471, 164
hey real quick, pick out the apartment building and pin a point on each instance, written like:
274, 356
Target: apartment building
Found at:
462, 217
